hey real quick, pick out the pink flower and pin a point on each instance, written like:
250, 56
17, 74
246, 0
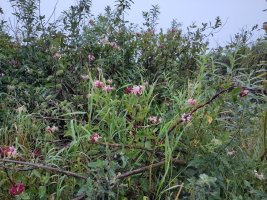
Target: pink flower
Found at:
128, 90
155, 119
3, 151
186, 117
91, 57
244, 93
11, 153
108, 88
192, 102
137, 90
114, 45
98, 84
94, 138
16, 189
109, 81
51, 129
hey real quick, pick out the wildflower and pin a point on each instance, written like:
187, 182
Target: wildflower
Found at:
51, 129
128, 90
16, 189
3, 151
91, 57
155, 119
244, 93
114, 45
231, 153
108, 88
104, 41
2, 75
94, 138
85, 77
192, 102
259, 176
11, 152
56, 55
109, 81
186, 117
98, 84
137, 90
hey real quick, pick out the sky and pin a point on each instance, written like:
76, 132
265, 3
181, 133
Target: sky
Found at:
235, 14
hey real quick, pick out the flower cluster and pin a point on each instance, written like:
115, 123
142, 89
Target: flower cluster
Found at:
244, 93
94, 138
113, 45
101, 85
186, 117
9, 152
137, 90
91, 57
51, 129
192, 102
155, 119
16, 189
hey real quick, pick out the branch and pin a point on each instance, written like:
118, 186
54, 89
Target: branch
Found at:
199, 107
45, 167
145, 168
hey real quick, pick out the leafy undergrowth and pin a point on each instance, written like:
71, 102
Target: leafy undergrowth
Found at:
115, 113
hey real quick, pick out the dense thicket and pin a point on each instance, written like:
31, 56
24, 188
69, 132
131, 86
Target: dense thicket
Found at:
137, 112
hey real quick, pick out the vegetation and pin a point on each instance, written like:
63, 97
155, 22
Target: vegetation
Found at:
99, 108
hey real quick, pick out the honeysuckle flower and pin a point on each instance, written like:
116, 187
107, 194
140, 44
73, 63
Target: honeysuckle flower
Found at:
94, 138
91, 57
192, 102
259, 176
155, 119
98, 84
108, 88
109, 81
186, 117
244, 93
51, 129
231, 152
16, 189
85, 77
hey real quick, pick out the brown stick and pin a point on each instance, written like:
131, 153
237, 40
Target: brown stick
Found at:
45, 167
145, 168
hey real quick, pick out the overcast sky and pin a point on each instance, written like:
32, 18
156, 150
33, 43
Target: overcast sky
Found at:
237, 14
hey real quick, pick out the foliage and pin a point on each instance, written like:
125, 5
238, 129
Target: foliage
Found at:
99, 108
